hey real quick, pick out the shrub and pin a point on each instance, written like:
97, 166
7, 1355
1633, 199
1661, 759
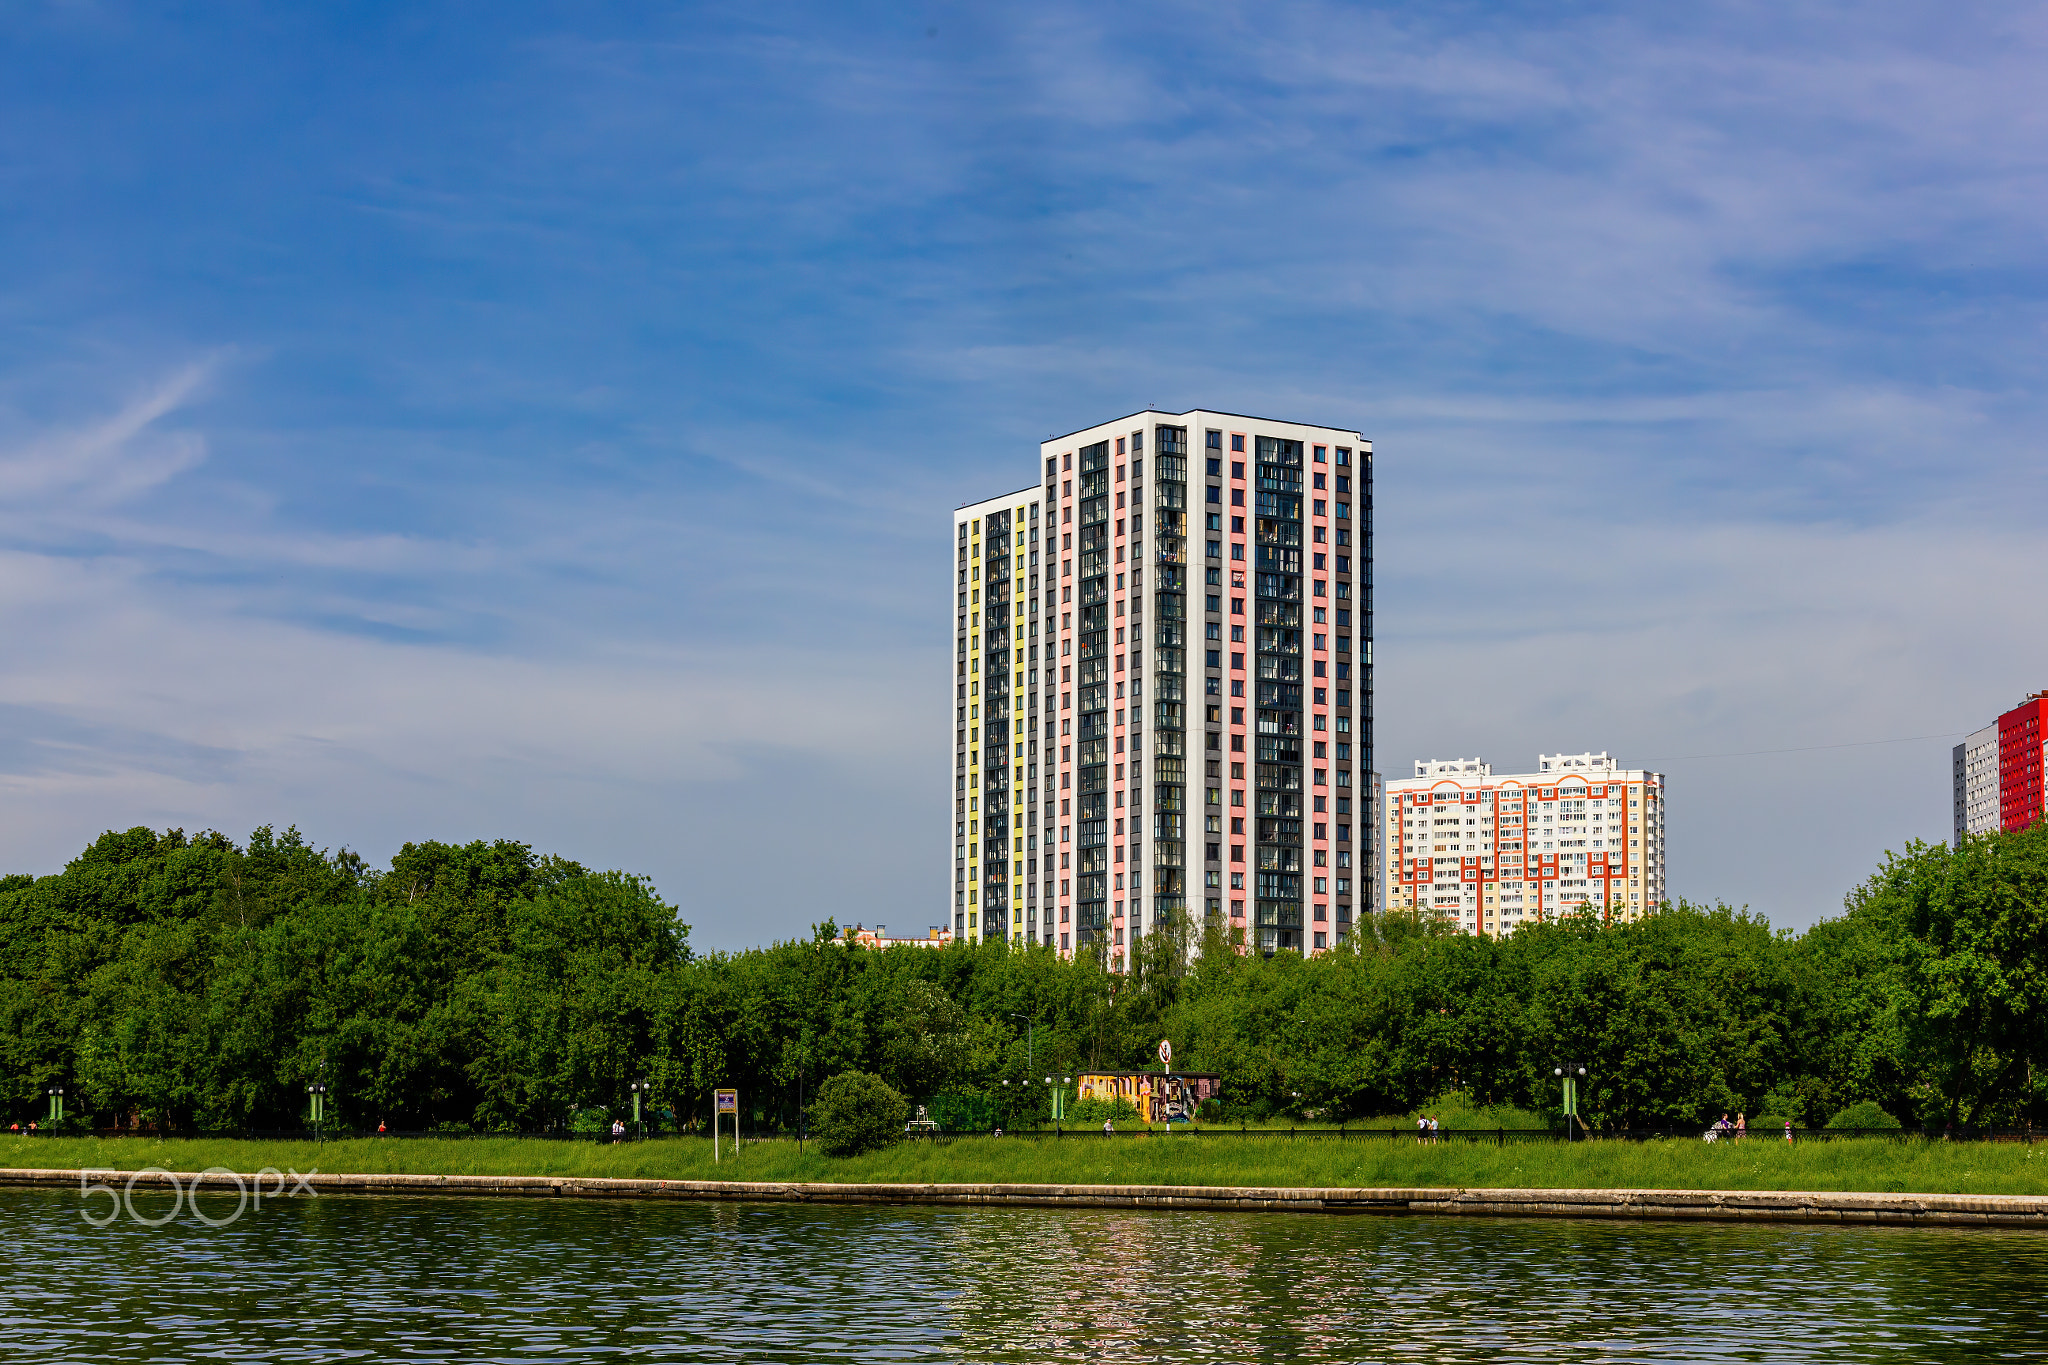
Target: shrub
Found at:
1092, 1111
1863, 1114
857, 1112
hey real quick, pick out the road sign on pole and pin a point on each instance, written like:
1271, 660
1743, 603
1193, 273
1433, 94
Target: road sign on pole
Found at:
1165, 1053
725, 1102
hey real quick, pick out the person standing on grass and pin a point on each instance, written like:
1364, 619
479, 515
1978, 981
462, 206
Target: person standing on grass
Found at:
1741, 1126
1108, 1128
1422, 1127
1788, 1130
618, 1131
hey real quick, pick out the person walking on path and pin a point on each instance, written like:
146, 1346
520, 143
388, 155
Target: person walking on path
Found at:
1108, 1128
618, 1131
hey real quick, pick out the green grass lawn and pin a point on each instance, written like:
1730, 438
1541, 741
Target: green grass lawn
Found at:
1916, 1166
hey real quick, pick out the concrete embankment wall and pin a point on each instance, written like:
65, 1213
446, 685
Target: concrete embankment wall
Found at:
1915, 1210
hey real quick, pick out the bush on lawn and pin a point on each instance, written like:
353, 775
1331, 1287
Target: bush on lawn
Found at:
856, 1112
1863, 1114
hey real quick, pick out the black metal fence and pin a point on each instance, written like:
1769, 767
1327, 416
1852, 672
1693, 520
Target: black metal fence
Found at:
1395, 1133
1502, 1137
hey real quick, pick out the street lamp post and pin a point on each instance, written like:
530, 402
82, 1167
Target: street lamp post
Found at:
1570, 1074
639, 1088
56, 1093
318, 1090
1059, 1100
1030, 1025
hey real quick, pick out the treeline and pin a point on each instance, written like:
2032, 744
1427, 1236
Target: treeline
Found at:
198, 984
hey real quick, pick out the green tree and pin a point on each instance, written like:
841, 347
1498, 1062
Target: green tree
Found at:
1964, 989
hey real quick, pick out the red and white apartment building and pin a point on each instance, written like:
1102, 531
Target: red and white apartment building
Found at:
1163, 688
1998, 771
1493, 853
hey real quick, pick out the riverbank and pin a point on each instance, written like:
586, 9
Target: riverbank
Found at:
1872, 1166
1750, 1206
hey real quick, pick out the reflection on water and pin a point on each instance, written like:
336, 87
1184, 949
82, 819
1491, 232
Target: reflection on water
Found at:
341, 1278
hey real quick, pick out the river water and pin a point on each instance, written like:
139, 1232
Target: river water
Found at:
339, 1278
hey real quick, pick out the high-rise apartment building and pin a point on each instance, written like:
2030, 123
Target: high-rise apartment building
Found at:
1496, 852
1998, 771
1975, 765
1163, 688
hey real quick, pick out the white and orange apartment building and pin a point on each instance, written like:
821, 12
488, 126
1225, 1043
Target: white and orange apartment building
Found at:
1492, 853
1163, 688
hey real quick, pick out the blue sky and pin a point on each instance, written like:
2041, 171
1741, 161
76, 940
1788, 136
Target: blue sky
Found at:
543, 422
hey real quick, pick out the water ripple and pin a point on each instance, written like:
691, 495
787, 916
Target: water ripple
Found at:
491, 1280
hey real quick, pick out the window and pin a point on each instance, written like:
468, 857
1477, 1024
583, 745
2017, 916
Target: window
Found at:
1237, 469
1237, 634
1237, 443
1215, 466
1215, 441
1321, 453
1320, 477
1237, 525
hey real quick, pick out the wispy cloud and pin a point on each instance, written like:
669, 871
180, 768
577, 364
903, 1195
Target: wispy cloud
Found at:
115, 457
